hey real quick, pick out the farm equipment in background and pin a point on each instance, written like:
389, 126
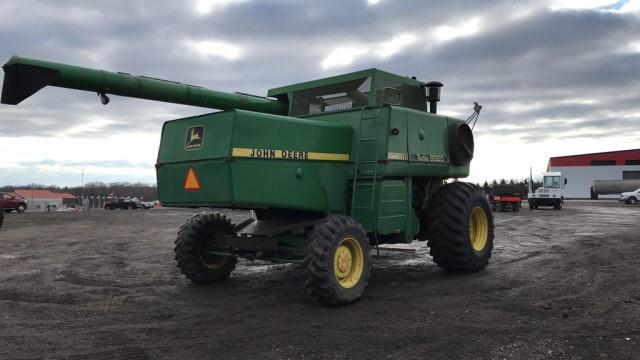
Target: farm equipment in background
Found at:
506, 197
330, 168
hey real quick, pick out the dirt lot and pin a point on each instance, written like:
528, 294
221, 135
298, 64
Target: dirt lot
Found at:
103, 285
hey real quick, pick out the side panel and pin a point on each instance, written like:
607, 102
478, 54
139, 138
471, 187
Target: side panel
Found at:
254, 160
391, 203
427, 152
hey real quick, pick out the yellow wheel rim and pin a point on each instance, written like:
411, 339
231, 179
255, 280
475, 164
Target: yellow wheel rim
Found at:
213, 261
209, 260
348, 262
478, 229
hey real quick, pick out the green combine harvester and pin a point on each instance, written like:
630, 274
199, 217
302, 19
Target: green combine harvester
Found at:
331, 168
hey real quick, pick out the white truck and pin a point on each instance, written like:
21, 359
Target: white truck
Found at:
550, 194
631, 197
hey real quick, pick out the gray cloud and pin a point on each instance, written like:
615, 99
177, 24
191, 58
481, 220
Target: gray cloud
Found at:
542, 57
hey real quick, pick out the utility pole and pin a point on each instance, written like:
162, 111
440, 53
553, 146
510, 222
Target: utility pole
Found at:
82, 188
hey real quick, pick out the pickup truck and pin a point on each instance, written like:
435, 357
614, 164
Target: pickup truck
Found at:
631, 197
11, 202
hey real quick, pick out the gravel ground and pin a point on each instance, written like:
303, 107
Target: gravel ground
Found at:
103, 285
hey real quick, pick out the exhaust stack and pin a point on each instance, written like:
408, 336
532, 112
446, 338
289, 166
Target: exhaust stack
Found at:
433, 95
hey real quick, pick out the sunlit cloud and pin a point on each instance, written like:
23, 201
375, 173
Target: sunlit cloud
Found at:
209, 48
633, 47
630, 6
205, 7
372, 2
342, 56
580, 4
396, 44
93, 125
345, 55
578, 101
450, 32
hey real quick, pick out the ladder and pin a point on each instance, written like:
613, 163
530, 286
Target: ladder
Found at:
360, 168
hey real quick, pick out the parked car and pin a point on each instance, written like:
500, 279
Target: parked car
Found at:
11, 202
631, 197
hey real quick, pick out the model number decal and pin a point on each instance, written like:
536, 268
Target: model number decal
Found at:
427, 158
287, 154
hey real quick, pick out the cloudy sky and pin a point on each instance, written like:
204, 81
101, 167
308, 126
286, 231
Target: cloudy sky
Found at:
555, 77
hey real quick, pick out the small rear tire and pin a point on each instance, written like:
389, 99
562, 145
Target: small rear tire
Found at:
194, 247
337, 260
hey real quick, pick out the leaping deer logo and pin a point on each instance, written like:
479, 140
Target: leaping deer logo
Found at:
195, 135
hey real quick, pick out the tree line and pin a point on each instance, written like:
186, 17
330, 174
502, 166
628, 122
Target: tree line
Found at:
149, 192
510, 186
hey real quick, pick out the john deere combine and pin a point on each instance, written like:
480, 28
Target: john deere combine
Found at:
330, 168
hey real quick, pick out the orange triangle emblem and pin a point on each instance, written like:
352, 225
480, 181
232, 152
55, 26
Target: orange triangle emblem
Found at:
191, 182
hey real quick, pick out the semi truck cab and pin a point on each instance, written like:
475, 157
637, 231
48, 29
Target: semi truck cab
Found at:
550, 194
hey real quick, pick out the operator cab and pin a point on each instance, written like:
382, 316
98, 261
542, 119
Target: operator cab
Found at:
370, 87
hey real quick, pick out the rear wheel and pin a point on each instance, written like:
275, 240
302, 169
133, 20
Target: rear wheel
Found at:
1, 215
557, 207
195, 250
337, 260
460, 232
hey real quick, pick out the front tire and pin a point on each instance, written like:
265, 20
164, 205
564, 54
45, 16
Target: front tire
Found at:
21, 208
337, 260
633, 201
460, 233
195, 244
1, 215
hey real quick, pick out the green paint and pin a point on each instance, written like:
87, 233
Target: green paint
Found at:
254, 156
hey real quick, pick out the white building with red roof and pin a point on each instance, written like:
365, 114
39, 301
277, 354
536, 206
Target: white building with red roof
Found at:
582, 170
44, 200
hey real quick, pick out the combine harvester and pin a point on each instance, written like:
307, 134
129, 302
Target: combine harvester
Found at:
330, 168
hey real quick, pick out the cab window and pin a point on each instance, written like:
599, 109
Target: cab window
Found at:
552, 181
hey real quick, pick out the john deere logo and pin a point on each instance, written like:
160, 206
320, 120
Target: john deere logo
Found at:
195, 135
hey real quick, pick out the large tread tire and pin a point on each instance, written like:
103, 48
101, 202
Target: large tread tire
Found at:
192, 237
448, 233
320, 257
